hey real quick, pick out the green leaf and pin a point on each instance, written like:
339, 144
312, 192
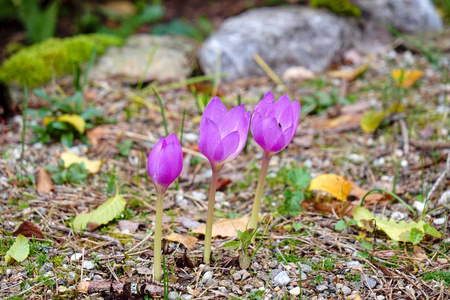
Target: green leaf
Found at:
400, 231
366, 245
364, 254
371, 120
340, 225
19, 250
294, 203
67, 139
431, 230
297, 226
244, 261
300, 178
105, 213
232, 245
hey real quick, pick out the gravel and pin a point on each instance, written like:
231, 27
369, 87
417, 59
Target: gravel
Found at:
207, 276
281, 279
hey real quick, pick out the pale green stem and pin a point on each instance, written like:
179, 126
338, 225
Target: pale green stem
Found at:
158, 235
259, 190
210, 216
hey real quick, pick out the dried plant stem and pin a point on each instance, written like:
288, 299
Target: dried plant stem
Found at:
259, 189
210, 216
158, 236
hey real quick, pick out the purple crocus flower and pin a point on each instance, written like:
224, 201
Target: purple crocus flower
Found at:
165, 162
274, 123
223, 133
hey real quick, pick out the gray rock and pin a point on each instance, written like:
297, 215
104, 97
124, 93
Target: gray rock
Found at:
88, 265
304, 277
190, 224
210, 282
281, 279
224, 283
245, 274
370, 282
346, 290
223, 290
404, 15
295, 291
282, 36
236, 276
207, 276
171, 60
46, 267
187, 297
322, 287
173, 296
97, 277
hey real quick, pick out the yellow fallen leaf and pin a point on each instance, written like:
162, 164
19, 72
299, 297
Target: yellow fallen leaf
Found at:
335, 185
93, 166
225, 227
187, 240
74, 120
406, 78
48, 120
371, 120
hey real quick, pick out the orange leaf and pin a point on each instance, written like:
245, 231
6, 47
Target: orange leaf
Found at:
187, 240
44, 182
334, 185
225, 227
406, 78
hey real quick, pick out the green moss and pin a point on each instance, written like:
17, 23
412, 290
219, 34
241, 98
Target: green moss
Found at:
35, 65
338, 7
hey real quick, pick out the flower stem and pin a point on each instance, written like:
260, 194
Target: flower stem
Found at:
259, 190
158, 235
210, 217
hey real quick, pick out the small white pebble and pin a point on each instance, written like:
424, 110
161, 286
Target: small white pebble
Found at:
76, 257
419, 205
404, 163
398, 153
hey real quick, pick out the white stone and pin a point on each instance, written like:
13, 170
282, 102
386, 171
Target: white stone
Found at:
404, 163
76, 256
282, 278
397, 216
439, 221
208, 275
419, 206
295, 291
88, 265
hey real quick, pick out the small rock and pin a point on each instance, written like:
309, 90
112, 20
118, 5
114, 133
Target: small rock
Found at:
97, 277
255, 266
295, 291
224, 283
444, 199
187, 297
223, 290
370, 282
210, 282
236, 276
346, 290
322, 287
353, 264
439, 221
88, 265
190, 137
419, 205
71, 277
306, 268
245, 274
381, 297
247, 287
379, 162
76, 256
207, 276
173, 296
303, 276
199, 195
46, 267
62, 289
273, 264
62, 282
356, 158
397, 216
281, 279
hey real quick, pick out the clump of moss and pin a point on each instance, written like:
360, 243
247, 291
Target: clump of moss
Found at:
36, 64
338, 7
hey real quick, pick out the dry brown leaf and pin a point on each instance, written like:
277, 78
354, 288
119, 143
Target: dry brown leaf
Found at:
371, 199
225, 227
29, 229
304, 141
95, 134
333, 184
44, 182
350, 73
187, 240
129, 227
223, 183
406, 78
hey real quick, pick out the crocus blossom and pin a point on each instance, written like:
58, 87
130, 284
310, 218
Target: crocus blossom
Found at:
273, 126
223, 133
164, 165
274, 123
165, 161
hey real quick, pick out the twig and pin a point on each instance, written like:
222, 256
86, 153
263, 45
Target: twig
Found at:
87, 234
405, 137
430, 144
440, 178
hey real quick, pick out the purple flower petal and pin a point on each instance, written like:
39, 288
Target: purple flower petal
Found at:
264, 105
267, 133
230, 144
209, 139
215, 110
231, 120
